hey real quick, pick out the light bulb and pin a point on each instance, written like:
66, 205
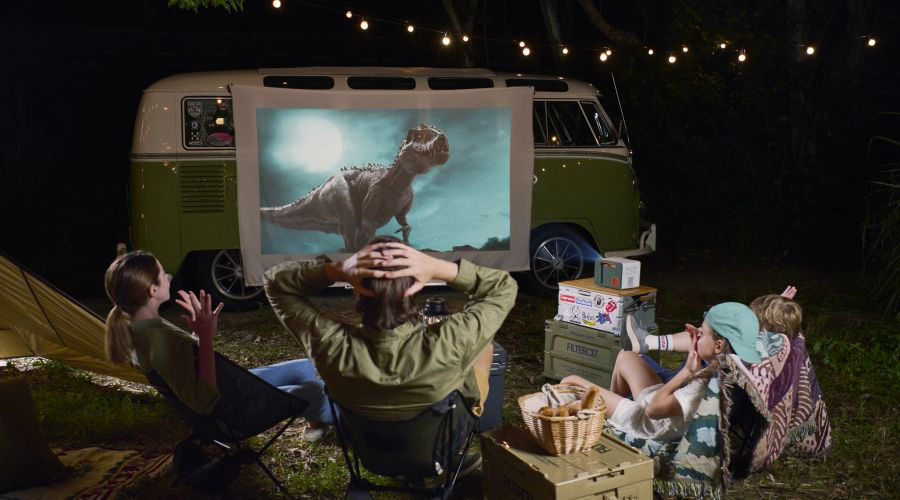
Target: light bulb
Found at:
722, 45
608, 52
672, 59
872, 42
742, 56
603, 56
348, 14
276, 4
565, 50
526, 51
410, 28
445, 40
364, 25
650, 52
522, 44
810, 50
684, 49
465, 38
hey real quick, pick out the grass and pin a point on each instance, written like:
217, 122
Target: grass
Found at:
855, 352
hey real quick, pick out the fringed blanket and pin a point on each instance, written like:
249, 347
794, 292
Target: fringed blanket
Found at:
772, 407
798, 422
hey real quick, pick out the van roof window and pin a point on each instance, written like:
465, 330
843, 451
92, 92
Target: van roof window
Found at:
381, 83
451, 83
539, 85
299, 82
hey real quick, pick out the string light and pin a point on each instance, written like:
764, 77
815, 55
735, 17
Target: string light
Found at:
276, 4
465, 38
672, 59
603, 57
364, 25
348, 14
410, 28
742, 56
445, 40
608, 52
871, 41
522, 44
810, 50
526, 51
649, 52
684, 49
565, 50
722, 45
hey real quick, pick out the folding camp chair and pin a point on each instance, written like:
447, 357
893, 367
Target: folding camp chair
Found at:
427, 446
247, 406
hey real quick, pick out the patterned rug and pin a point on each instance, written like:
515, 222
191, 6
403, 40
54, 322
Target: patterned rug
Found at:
96, 473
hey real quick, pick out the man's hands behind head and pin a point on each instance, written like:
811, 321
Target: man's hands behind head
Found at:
371, 261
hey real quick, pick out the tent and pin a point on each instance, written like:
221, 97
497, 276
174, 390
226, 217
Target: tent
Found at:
36, 319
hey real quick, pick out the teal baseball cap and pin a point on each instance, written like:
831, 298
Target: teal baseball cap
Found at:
737, 323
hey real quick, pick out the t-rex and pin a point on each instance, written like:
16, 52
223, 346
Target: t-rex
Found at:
361, 199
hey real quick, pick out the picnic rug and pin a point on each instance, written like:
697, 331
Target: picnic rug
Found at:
96, 473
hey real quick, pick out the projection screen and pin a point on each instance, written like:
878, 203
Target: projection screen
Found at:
322, 172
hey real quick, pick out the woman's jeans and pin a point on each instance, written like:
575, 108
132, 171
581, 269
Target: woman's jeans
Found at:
299, 377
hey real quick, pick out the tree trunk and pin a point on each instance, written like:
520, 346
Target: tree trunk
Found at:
600, 22
550, 13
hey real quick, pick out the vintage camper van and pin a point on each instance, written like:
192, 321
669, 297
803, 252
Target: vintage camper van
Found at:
183, 173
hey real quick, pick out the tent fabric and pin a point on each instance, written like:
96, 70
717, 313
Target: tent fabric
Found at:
36, 319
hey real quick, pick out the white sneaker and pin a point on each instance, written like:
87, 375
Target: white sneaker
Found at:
311, 435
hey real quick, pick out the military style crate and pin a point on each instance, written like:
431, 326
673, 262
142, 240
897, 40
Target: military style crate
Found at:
577, 350
585, 303
515, 466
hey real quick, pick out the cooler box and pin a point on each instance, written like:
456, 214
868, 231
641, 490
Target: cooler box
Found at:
515, 466
585, 303
493, 405
577, 350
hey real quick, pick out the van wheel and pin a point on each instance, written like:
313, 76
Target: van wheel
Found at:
221, 273
555, 254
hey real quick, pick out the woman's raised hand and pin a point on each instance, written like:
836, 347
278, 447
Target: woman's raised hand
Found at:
203, 320
789, 292
693, 363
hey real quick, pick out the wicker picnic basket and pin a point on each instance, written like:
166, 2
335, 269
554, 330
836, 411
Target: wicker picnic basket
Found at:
562, 435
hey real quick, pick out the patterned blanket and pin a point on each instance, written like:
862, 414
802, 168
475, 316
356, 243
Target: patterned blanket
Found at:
772, 407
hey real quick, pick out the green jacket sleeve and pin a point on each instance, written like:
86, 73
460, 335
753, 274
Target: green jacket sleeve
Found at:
288, 287
492, 294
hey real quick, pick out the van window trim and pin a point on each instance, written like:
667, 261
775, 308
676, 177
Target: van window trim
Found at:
597, 107
578, 102
184, 145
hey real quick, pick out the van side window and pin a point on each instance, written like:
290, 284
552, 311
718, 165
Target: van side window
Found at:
595, 118
563, 124
539, 123
208, 122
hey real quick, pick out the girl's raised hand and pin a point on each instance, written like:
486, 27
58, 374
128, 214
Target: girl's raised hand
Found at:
789, 292
693, 363
203, 320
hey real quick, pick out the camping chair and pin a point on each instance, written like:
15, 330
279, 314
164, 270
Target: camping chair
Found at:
247, 406
425, 446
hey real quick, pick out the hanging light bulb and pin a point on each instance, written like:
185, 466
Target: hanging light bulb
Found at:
810, 50
684, 49
410, 28
522, 44
565, 50
465, 38
608, 52
742, 56
526, 51
649, 52
871, 41
603, 57
364, 25
722, 45
445, 40
672, 59
348, 14
276, 4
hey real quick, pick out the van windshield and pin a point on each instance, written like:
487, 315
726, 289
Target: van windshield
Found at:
568, 124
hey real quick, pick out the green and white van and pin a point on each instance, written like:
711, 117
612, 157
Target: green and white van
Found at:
183, 189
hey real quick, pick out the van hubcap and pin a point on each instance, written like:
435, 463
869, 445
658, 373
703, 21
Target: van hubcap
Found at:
557, 259
228, 276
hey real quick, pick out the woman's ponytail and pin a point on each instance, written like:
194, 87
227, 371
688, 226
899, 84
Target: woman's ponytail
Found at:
128, 281
119, 347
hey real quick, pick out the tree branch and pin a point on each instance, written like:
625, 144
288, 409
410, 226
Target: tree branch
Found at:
600, 22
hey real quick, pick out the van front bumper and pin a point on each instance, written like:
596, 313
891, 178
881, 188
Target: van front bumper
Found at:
647, 245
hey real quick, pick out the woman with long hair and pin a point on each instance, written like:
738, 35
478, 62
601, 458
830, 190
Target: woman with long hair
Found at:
136, 334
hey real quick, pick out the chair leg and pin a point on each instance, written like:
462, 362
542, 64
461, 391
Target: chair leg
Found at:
271, 476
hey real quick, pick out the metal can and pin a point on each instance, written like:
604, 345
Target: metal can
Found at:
435, 310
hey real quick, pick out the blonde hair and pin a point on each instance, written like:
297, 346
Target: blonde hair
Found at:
128, 280
778, 314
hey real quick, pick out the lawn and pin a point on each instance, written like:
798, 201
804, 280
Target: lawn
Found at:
856, 352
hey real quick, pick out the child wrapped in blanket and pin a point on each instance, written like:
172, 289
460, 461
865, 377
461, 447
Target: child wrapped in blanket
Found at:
661, 410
